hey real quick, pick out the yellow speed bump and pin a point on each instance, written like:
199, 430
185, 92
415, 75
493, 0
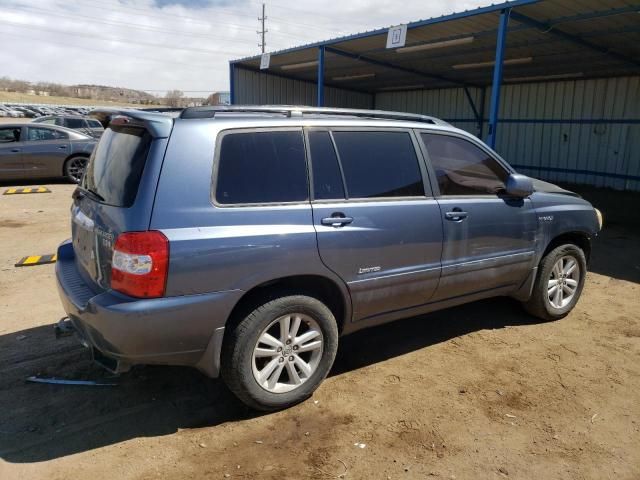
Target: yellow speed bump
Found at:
17, 191
37, 260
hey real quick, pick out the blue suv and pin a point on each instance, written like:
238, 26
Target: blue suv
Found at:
244, 241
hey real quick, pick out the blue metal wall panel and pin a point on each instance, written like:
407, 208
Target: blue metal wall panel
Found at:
573, 140
450, 104
563, 131
255, 88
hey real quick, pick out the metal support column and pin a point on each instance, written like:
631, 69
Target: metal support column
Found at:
321, 76
476, 114
232, 90
497, 78
483, 99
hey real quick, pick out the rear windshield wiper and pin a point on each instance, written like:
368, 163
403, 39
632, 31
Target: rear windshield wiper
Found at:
92, 193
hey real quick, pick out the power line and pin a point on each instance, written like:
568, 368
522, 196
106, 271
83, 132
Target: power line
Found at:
108, 52
262, 45
117, 23
170, 16
312, 13
119, 40
221, 11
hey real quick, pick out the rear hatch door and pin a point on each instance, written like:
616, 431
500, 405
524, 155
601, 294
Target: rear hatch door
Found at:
115, 195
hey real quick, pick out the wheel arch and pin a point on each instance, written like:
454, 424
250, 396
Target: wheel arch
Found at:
579, 238
328, 291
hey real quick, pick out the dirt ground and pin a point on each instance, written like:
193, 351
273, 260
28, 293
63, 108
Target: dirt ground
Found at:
480, 391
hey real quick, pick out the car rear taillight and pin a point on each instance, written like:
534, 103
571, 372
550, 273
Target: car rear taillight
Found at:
140, 263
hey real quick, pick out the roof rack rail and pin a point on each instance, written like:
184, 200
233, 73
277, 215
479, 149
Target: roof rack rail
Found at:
299, 111
161, 109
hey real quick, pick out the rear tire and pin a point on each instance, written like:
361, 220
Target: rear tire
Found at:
559, 282
279, 353
74, 168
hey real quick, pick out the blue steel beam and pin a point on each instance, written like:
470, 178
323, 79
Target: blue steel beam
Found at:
550, 29
610, 12
483, 100
321, 76
232, 89
393, 66
497, 77
291, 77
476, 114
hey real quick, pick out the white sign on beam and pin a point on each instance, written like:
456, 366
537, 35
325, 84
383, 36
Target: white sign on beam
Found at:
397, 36
264, 61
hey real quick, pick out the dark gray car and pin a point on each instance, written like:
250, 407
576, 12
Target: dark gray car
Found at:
43, 151
244, 241
88, 126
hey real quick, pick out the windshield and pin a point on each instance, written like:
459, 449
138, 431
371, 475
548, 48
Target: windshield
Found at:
116, 165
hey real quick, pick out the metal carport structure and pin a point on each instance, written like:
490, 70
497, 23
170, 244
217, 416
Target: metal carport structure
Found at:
539, 51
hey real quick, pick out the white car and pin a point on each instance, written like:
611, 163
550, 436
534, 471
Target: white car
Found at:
11, 113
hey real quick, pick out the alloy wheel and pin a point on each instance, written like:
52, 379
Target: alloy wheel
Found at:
287, 353
563, 281
75, 168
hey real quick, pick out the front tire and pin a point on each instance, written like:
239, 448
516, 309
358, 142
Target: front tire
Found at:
559, 283
280, 353
74, 168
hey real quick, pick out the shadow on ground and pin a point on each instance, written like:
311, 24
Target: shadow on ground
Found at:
42, 422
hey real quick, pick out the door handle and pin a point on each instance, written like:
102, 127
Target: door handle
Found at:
456, 215
62, 146
15, 150
337, 220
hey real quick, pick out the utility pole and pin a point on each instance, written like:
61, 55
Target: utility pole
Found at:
263, 31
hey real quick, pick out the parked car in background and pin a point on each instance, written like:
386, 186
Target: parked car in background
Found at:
11, 112
43, 151
89, 126
244, 241
28, 113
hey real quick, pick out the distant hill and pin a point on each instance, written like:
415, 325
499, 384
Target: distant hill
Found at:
100, 93
112, 94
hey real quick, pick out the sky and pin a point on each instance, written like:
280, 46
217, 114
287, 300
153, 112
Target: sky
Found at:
160, 45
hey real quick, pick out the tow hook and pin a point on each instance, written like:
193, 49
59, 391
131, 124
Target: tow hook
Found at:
64, 328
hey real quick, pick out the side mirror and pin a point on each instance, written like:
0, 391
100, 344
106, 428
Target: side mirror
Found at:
519, 185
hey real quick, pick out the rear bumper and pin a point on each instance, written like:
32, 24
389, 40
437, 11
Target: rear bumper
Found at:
184, 330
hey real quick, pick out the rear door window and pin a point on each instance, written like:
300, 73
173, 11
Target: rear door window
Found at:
261, 167
36, 134
379, 164
327, 179
116, 165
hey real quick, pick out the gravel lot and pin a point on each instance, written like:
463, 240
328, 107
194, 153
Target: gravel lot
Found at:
479, 391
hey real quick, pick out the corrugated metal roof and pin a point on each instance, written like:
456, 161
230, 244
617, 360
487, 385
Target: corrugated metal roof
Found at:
549, 39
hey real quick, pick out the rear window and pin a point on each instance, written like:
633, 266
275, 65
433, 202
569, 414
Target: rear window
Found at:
262, 167
116, 165
74, 123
